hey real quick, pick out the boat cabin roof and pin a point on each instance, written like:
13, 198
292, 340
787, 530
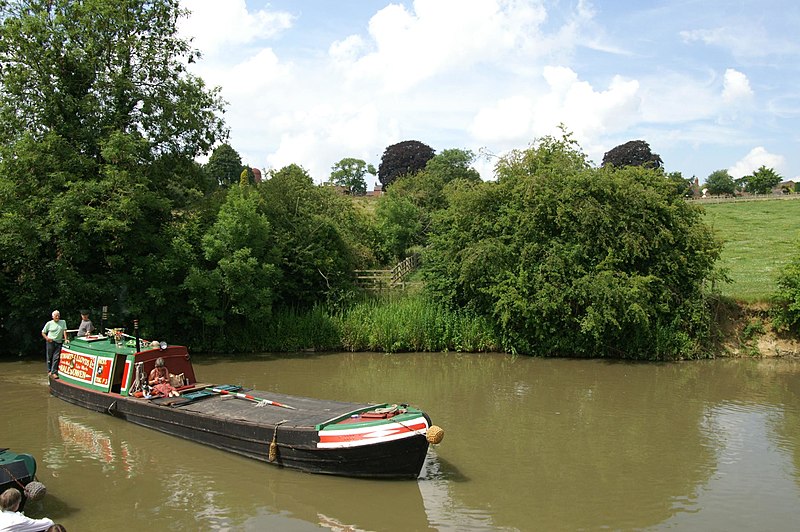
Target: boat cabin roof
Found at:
176, 357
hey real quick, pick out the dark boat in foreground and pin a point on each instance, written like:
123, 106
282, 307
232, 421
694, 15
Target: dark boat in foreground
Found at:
18, 470
106, 373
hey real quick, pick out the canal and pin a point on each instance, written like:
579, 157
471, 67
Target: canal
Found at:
530, 444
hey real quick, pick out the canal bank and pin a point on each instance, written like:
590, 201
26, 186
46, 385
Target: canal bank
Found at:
746, 330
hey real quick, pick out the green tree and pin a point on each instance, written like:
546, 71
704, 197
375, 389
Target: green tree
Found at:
763, 180
402, 159
576, 261
632, 153
99, 126
785, 309
683, 187
238, 280
350, 172
317, 252
224, 167
404, 213
720, 182
400, 226
452, 164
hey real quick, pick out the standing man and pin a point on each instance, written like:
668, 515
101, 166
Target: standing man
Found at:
55, 334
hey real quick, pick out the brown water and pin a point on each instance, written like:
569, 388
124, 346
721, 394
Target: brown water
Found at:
530, 444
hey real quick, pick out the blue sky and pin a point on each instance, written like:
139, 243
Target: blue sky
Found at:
708, 84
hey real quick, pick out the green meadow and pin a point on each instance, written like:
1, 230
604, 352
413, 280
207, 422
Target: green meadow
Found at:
759, 239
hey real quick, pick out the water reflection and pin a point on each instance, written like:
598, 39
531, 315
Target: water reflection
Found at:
530, 444
162, 480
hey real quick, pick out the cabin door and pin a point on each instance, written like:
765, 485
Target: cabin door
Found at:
119, 370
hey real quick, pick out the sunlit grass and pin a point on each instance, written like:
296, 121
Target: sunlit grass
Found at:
760, 237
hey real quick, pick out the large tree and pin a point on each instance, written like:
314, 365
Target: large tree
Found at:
404, 213
99, 126
404, 158
313, 231
632, 153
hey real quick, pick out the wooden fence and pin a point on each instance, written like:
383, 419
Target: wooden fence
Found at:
387, 279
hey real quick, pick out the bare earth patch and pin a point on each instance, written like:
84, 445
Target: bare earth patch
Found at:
746, 331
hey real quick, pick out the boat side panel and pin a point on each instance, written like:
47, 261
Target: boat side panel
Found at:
297, 446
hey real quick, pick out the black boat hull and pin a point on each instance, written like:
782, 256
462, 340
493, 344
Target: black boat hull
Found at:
296, 445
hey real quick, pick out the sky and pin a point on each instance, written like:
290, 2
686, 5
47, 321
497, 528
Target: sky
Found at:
709, 84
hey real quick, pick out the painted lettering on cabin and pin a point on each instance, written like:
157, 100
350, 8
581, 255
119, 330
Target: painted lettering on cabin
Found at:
77, 366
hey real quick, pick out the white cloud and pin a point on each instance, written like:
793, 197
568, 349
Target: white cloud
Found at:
735, 87
438, 36
585, 111
321, 136
757, 157
743, 39
215, 28
473, 73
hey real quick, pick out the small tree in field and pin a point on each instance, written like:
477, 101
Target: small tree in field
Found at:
350, 172
720, 182
763, 180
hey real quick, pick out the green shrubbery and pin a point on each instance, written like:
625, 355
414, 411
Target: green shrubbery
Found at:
786, 301
569, 260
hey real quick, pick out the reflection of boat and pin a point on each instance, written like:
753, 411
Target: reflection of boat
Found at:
18, 470
351, 439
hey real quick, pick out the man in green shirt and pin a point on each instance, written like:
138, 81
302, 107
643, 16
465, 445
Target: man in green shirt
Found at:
55, 334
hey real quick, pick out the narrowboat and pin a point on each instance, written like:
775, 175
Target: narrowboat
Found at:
18, 470
108, 373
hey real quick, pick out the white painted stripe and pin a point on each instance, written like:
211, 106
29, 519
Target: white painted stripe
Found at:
370, 441
329, 431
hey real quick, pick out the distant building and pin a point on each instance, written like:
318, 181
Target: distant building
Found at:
256, 175
378, 191
787, 187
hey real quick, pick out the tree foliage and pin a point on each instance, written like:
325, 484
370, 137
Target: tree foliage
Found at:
404, 213
224, 167
99, 126
571, 260
349, 173
762, 181
632, 153
402, 159
720, 182
315, 233
786, 300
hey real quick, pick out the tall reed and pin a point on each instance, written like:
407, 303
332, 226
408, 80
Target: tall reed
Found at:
412, 322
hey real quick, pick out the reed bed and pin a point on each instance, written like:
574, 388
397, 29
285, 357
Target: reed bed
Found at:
411, 322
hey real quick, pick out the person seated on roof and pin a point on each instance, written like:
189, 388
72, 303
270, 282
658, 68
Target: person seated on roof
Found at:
12, 519
159, 380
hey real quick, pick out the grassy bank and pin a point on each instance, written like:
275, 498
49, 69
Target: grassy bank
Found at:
760, 237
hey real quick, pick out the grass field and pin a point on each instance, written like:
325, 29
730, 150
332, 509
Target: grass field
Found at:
759, 237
